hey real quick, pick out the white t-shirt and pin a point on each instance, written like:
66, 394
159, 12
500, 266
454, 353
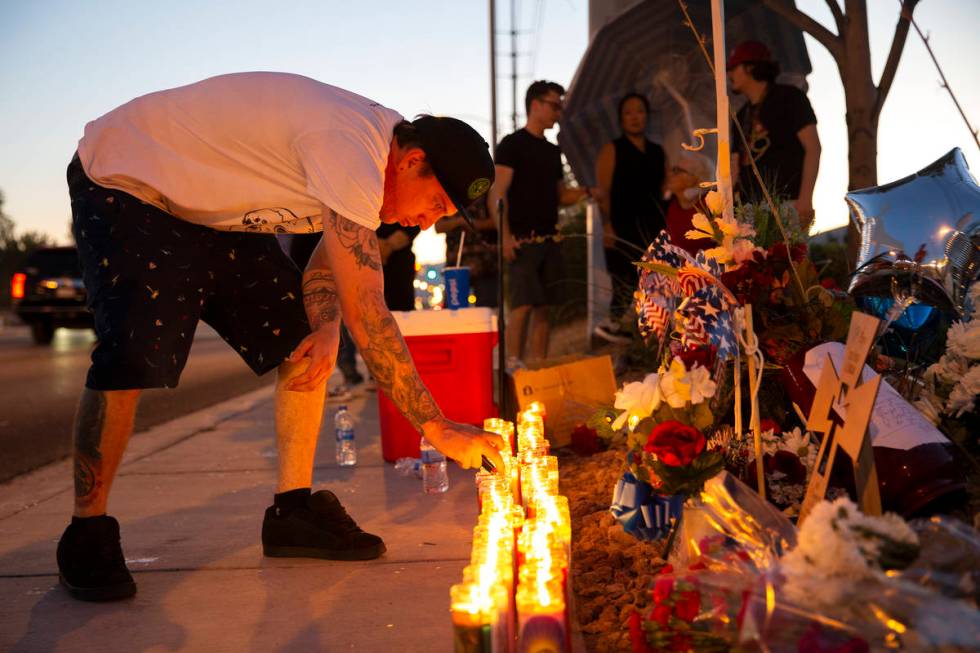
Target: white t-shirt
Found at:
247, 152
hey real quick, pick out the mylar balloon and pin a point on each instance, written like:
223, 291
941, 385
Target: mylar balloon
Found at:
917, 215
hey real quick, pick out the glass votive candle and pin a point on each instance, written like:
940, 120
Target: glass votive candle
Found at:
473, 618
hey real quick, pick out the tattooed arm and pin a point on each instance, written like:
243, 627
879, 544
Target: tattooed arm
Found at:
323, 314
352, 254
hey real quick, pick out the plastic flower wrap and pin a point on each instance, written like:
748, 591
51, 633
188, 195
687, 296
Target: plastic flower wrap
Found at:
836, 585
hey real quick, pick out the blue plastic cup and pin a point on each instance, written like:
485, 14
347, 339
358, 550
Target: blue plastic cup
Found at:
457, 287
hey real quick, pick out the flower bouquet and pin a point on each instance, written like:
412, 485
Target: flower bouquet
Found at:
844, 582
949, 398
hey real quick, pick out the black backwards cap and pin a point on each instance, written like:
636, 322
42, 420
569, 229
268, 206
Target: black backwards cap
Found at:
459, 157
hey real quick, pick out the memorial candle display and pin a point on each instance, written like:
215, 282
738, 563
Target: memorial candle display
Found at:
514, 593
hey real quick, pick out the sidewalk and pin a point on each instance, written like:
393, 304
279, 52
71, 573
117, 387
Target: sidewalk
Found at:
190, 496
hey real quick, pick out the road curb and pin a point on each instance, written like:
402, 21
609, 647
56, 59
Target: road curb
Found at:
53, 479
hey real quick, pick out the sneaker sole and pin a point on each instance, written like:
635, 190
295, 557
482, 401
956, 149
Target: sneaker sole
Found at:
108, 593
272, 551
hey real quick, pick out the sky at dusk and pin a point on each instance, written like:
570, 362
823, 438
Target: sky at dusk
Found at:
64, 63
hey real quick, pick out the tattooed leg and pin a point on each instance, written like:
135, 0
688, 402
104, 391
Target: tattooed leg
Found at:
103, 424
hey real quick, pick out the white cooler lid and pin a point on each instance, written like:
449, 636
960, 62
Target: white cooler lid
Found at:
478, 319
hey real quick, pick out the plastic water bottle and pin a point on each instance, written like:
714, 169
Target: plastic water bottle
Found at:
343, 424
434, 476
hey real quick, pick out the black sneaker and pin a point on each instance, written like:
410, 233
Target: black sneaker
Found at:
321, 529
91, 565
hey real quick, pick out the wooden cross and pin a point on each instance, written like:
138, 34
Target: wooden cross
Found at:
858, 400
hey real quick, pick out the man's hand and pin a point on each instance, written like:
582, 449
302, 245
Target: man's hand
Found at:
608, 236
464, 443
321, 348
804, 208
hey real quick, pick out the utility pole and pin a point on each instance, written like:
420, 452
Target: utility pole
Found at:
493, 77
513, 62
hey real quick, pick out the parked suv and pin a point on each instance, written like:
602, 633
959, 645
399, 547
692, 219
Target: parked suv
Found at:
48, 293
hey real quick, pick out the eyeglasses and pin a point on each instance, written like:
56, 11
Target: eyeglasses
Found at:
557, 106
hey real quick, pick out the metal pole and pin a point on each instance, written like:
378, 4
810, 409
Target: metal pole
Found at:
493, 77
723, 170
503, 405
513, 62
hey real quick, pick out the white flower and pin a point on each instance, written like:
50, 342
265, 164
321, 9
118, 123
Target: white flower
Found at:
702, 385
948, 369
961, 400
675, 385
702, 228
836, 547
714, 202
638, 399
974, 298
794, 441
742, 250
928, 408
963, 338
971, 380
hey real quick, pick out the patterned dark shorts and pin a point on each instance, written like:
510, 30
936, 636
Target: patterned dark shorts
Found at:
150, 277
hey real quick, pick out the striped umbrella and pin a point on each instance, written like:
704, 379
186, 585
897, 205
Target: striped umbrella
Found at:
649, 49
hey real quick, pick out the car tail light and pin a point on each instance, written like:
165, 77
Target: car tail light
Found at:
17, 285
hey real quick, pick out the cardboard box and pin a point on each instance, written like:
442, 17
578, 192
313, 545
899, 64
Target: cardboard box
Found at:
570, 392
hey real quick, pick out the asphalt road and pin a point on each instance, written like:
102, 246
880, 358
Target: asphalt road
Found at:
39, 388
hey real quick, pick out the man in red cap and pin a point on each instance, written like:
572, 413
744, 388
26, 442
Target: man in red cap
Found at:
176, 198
781, 130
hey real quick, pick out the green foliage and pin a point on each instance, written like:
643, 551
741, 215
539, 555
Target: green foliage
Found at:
601, 421
14, 250
689, 479
699, 416
767, 231
830, 259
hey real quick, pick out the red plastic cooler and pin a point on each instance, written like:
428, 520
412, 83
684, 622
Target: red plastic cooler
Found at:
453, 352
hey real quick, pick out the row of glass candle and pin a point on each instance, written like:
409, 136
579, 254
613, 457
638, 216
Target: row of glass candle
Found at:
514, 592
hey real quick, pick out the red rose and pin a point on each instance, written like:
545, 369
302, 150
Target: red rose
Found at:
675, 444
828, 283
770, 425
688, 606
638, 638
585, 441
661, 614
662, 589
789, 464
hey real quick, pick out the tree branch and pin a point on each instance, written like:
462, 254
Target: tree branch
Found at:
894, 55
838, 15
796, 17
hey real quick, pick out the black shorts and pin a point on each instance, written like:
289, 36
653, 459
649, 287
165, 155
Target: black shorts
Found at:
150, 277
536, 275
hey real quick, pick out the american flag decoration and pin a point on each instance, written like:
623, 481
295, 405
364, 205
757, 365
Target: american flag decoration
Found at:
700, 306
657, 294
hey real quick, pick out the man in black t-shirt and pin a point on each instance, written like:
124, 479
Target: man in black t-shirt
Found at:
529, 180
398, 265
781, 129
